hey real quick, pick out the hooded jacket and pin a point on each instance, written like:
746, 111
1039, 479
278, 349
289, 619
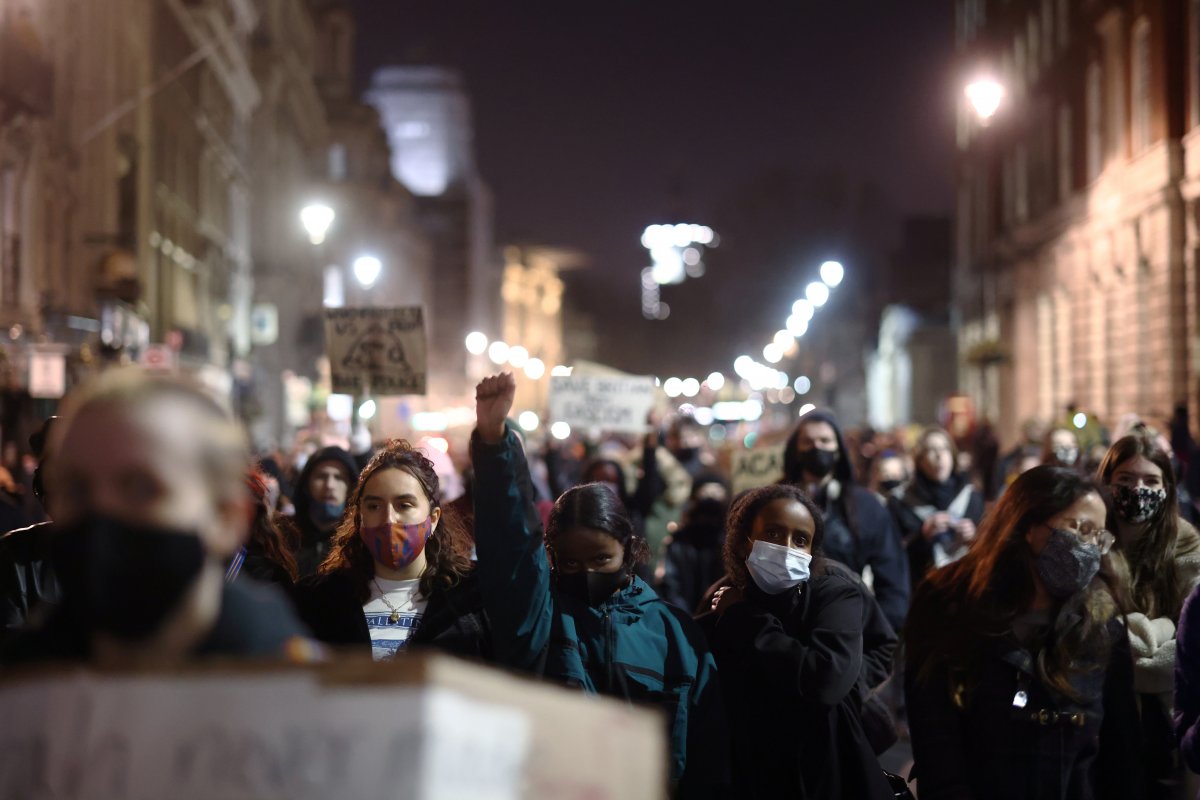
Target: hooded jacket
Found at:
314, 543
635, 645
859, 531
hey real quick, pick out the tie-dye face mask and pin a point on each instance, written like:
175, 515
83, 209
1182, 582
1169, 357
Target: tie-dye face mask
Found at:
395, 545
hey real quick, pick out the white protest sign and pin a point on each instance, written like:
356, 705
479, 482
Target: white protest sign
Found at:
379, 348
758, 467
613, 404
47, 374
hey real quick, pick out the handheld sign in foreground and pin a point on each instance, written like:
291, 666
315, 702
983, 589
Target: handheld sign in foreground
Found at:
378, 348
613, 404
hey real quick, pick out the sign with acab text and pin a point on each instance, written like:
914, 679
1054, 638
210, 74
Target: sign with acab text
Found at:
381, 349
758, 467
608, 403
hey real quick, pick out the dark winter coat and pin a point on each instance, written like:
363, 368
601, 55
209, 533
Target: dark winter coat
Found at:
454, 620
790, 666
692, 561
27, 579
913, 503
635, 645
995, 743
1187, 680
314, 542
859, 531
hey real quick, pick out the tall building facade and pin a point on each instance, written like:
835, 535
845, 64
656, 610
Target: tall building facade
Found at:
426, 114
1075, 268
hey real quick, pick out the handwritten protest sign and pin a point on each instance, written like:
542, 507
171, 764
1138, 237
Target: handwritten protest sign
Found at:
757, 467
380, 348
613, 404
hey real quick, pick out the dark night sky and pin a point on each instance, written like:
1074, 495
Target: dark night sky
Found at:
594, 120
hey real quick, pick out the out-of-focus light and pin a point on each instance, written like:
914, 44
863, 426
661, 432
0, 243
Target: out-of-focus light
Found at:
339, 407
752, 410
438, 443
703, 415
781, 380
560, 371
743, 366
477, 343
797, 326
690, 387
807, 407
316, 219
560, 430
528, 421
817, 293
518, 356
803, 385
429, 421
716, 381
773, 353
366, 270
803, 309
705, 235
985, 96
535, 368
832, 273
691, 256
687, 409
367, 409
787, 394
673, 387
498, 352
664, 311
784, 339
1080, 420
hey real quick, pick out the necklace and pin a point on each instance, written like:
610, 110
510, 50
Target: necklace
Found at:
395, 615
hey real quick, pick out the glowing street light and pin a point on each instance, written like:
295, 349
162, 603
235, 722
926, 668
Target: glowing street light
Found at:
560, 430
716, 381
673, 387
316, 219
367, 409
366, 270
498, 352
985, 96
477, 343
832, 273
535, 368
690, 387
518, 356
773, 353
784, 339
797, 326
528, 421
561, 371
803, 310
817, 293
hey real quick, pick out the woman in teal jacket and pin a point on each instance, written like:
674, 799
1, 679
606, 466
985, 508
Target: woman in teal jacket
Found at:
586, 619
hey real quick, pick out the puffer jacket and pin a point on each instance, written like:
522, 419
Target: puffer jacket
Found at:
634, 646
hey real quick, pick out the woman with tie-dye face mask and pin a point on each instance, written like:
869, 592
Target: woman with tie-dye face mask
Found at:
399, 571
1157, 556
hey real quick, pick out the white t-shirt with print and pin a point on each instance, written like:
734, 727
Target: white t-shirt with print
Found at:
387, 635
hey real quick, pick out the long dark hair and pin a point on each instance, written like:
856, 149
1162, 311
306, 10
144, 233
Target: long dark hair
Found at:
977, 598
740, 526
594, 505
1147, 565
447, 553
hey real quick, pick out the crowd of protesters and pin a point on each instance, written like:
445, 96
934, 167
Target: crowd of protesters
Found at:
1026, 620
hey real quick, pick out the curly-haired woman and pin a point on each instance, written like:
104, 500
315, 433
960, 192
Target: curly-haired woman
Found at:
399, 571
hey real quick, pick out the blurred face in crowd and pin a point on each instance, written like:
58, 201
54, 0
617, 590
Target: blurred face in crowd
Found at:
329, 483
937, 458
890, 472
818, 435
144, 463
784, 522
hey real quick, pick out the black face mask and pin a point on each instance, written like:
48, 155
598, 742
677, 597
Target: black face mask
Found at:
686, 454
124, 579
886, 487
817, 462
592, 588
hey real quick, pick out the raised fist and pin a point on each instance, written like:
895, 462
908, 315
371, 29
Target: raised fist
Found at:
493, 402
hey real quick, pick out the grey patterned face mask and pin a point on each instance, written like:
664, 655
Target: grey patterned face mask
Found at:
1067, 564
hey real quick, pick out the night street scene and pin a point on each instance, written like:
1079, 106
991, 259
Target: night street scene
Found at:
471, 400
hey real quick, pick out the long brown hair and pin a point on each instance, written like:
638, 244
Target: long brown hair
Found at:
957, 608
265, 534
447, 553
1147, 565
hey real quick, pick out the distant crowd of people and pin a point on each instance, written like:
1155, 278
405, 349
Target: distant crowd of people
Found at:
1027, 619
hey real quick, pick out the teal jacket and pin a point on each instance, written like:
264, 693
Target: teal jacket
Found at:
635, 646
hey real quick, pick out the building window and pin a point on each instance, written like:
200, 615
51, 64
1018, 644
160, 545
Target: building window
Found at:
1047, 32
1064, 24
1033, 32
1021, 182
1065, 154
1020, 65
337, 162
1095, 118
1139, 100
10, 237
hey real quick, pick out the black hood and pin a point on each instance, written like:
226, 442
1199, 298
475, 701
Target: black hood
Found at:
302, 499
842, 473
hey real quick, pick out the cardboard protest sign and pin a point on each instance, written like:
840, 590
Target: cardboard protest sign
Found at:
419, 728
379, 348
617, 404
757, 467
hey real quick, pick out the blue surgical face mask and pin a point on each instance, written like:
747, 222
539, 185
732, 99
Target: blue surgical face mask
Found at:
324, 513
775, 568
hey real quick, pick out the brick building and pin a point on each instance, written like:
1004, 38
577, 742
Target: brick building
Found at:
1075, 269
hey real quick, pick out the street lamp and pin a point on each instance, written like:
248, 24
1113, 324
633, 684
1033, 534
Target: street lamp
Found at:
832, 273
817, 293
366, 270
985, 96
316, 219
